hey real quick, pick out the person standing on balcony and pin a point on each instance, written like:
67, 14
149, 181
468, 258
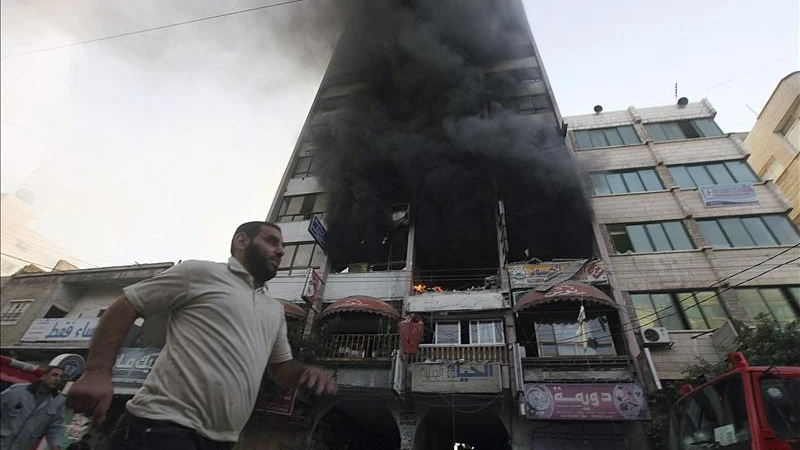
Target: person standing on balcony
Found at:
29, 411
223, 331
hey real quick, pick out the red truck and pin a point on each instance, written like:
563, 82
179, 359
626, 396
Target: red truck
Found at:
747, 408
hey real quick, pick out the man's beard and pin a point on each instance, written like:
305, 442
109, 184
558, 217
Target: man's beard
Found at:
260, 267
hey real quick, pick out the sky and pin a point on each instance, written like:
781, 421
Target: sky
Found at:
155, 146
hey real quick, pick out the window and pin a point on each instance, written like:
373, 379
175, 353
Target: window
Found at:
781, 405
782, 304
712, 173
606, 137
305, 166
684, 129
486, 332
773, 169
756, 231
650, 237
525, 75
448, 333
55, 313
302, 207
790, 130
13, 311
699, 310
567, 339
712, 417
533, 103
298, 258
627, 181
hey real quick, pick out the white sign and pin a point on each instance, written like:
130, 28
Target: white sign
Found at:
458, 377
455, 301
61, 330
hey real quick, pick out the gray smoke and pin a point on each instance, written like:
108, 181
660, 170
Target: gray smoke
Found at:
432, 130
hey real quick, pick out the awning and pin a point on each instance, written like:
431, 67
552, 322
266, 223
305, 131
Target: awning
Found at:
293, 310
362, 304
568, 291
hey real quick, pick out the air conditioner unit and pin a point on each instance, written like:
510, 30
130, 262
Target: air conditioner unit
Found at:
655, 336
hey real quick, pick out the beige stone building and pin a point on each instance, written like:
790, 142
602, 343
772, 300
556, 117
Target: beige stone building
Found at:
774, 142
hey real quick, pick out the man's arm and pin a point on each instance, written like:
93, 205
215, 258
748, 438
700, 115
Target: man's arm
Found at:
91, 394
293, 373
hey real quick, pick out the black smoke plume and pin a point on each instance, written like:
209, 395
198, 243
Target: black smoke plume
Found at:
433, 130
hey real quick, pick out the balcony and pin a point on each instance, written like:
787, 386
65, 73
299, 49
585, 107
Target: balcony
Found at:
360, 347
467, 353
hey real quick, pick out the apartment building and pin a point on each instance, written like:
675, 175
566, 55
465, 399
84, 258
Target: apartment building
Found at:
774, 141
693, 237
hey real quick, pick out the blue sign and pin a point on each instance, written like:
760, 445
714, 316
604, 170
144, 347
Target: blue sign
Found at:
318, 231
728, 194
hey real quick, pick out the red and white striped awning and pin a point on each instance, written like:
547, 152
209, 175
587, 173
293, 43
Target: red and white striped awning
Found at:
292, 309
570, 291
362, 304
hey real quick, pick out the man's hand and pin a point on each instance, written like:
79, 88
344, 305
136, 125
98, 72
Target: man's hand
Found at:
91, 396
318, 380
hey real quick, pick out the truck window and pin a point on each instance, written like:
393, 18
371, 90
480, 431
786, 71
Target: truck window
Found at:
712, 417
782, 405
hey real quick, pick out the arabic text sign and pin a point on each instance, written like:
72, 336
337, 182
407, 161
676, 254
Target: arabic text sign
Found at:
462, 378
277, 403
728, 194
132, 366
620, 401
318, 231
532, 275
60, 330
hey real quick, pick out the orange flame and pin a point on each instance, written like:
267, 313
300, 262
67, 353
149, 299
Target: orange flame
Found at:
437, 289
419, 288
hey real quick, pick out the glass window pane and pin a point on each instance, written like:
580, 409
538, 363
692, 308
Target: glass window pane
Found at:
288, 256
628, 134
673, 131
498, 331
712, 308
752, 302
707, 127
548, 350
302, 257
650, 179
600, 184
645, 312
655, 132
758, 231
321, 203
712, 233
317, 257
633, 181
691, 310
795, 292
639, 238
308, 203
295, 204
778, 304
658, 237
700, 176
737, 234
681, 177
782, 229
582, 137
620, 239
598, 138
719, 173
612, 136
473, 332
677, 236
447, 333
544, 333
741, 171
616, 184
668, 316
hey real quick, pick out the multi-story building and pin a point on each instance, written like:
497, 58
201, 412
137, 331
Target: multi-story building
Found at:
431, 184
774, 141
692, 236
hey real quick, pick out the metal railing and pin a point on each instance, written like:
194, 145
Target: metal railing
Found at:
361, 346
469, 353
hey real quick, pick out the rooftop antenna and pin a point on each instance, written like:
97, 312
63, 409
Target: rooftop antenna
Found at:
676, 90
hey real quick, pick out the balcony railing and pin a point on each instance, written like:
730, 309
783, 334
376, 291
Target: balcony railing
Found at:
361, 346
468, 353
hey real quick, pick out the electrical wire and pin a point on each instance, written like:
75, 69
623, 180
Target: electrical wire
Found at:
147, 30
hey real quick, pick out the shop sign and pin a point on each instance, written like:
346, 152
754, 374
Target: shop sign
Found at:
311, 287
61, 330
458, 378
731, 194
281, 402
523, 276
132, 366
72, 364
620, 401
318, 231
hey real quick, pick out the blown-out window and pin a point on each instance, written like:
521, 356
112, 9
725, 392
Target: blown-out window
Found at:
683, 129
302, 207
650, 237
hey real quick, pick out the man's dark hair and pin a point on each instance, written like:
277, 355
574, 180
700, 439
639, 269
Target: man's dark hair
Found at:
49, 369
251, 229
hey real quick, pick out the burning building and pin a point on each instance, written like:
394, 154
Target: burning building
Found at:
429, 184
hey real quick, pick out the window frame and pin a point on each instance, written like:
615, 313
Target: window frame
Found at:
622, 173
620, 229
284, 216
10, 316
294, 269
682, 126
457, 323
493, 323
601, 132
791, 299
704, 165
575, 343
741, 220
677, 301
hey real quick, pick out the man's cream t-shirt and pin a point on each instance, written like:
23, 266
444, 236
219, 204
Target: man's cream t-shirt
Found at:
220, 335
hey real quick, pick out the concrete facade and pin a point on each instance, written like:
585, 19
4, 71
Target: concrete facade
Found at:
701, 266
775, 141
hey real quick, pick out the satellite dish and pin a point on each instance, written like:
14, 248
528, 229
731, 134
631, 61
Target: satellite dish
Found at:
26, 196
598, 109
683, 101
